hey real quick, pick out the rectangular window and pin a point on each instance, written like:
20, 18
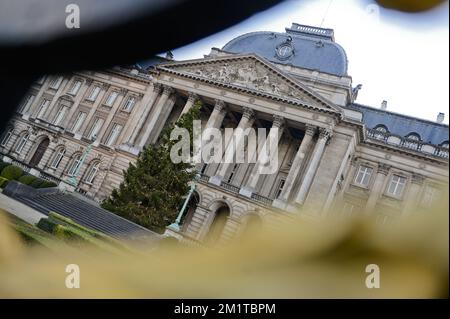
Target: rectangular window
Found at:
78, 122
6, 137
94, 93
60, 115
115, 131
396, 185
111, 98
363, 176
56, 82
43, 108
26, 103
233, 172
75, 87
129, 104
280, 188
95, 128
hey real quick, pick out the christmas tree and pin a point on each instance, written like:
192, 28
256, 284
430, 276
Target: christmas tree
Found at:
153, 188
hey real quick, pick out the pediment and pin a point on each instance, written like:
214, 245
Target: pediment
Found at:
251, 73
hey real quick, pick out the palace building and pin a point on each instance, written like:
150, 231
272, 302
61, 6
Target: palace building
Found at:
335, 156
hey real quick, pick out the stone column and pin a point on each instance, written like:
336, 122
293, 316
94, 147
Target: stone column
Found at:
248, 117
297, 164
412, 196
215, 120
189, 103
155, 117
377, 187
147, 105
217, 115
324, 136
276, 131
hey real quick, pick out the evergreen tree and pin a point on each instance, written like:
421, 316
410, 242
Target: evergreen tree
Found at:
154, 187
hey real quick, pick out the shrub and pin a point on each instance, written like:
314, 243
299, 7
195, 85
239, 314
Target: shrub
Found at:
27, 179
3, 182
12, 172
36, 183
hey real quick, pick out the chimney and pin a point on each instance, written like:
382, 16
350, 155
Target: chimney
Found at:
384, 105
440, 117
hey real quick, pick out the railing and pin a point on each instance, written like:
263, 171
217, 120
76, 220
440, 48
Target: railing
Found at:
407, 143
235, 189
230, 187
204, 177
49, 177
23, 166
262, 199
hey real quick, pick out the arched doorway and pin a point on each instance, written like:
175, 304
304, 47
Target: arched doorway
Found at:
218, 224
40, 150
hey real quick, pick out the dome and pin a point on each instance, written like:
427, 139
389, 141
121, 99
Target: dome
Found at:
302, 46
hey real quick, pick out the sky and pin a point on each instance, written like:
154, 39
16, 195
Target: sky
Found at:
398, 57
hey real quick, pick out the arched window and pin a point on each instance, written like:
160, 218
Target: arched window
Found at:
22, 142
58, 157
413, 136
444, 144
7, 137
76, 162
92, 172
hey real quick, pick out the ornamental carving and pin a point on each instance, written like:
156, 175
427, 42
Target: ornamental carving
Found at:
248, 74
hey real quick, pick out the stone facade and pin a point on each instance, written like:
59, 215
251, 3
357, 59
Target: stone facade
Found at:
330, 161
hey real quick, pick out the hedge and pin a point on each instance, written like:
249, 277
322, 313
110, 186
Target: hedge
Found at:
12, 172
36, 183
27, 179
3, 182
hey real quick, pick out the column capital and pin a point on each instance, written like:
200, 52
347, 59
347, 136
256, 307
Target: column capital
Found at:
417, 179
123, 91
157, 87
106, 86
168, 90
325, 134
278, 121
248, 113
89, 81
192, 97
220, 105
383, 169
310, 130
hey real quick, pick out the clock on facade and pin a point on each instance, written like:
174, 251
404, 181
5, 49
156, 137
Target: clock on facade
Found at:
284, 51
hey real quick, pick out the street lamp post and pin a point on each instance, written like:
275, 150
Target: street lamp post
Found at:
175, 226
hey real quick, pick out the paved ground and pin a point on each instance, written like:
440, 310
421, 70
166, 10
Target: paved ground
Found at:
22, 211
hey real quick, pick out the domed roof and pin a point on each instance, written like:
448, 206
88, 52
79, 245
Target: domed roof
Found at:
302, 46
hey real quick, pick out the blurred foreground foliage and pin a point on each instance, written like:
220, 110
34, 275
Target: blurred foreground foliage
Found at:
410, 5
302, 259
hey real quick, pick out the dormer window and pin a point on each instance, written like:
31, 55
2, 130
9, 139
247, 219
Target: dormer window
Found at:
413, 136
381, 129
